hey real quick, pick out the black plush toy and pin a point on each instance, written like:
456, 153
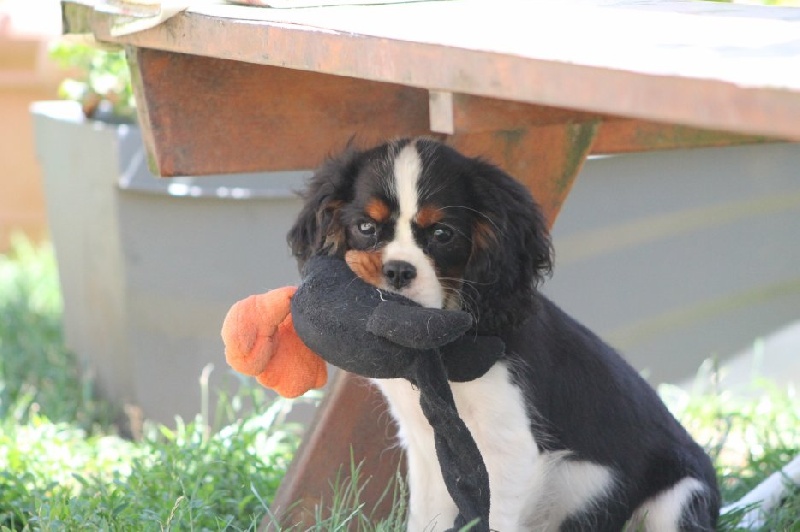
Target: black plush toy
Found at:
377, 334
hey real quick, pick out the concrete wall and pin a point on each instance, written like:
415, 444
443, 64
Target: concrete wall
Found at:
149, 267
674, 257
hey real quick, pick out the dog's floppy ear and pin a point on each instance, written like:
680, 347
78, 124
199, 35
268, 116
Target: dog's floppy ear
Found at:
318, 228
511, 248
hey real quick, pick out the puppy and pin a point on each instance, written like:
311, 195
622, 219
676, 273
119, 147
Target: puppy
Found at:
572, 437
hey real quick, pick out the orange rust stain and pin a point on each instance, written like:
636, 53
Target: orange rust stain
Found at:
366, 264
428, 215
378, 210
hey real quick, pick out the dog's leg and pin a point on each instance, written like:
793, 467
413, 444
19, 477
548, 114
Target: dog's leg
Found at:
580, 496
683, 507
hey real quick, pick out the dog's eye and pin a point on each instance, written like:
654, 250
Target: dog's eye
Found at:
442, 235
367, 228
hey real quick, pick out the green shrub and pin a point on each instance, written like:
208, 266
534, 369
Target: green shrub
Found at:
37, 373
99, 79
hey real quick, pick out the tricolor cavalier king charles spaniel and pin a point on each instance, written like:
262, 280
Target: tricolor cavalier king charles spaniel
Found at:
572, 437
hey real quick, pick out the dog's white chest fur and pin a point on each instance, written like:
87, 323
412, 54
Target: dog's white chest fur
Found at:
495, 413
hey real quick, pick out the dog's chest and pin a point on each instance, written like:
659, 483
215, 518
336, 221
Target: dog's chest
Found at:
494, 410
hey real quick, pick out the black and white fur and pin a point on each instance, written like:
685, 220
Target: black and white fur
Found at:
572, 437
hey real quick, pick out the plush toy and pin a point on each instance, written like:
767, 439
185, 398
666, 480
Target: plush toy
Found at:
376, 334
260, 341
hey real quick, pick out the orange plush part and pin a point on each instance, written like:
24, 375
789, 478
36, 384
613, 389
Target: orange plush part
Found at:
260, 340
294, 368
250, 327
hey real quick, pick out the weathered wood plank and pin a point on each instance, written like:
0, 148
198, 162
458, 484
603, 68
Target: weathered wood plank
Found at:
207, 116
546, 159
462, 113
667, 70
203, 115
624, 136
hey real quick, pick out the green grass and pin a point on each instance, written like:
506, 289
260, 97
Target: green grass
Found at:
63, 465
749, 437
36, 371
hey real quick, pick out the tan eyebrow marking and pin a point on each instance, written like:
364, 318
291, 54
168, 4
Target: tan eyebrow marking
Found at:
378, 210
428, 215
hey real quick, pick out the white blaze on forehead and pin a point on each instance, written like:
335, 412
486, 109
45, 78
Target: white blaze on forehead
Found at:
425, 289
407, 169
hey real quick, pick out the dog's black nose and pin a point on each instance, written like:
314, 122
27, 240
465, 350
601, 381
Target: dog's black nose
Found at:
399, 273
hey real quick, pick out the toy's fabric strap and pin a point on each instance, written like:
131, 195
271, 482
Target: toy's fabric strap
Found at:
460, 460
378, 334
470, 357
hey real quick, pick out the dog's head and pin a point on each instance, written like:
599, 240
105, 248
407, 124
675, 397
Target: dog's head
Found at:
416, 217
